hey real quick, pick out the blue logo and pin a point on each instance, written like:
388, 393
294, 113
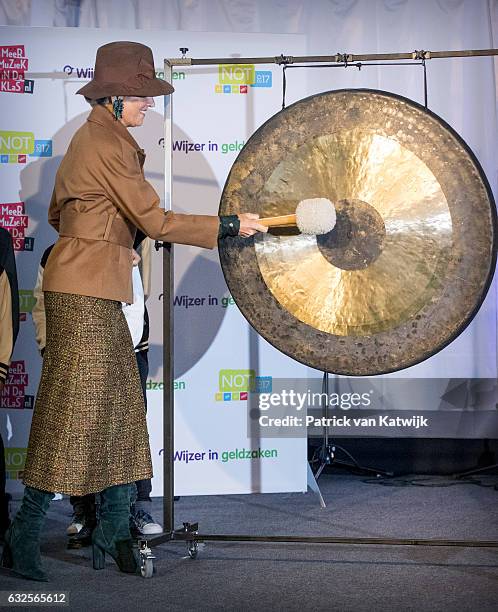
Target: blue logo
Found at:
43, 148
227, 397
263, 384
227, 89
262, 78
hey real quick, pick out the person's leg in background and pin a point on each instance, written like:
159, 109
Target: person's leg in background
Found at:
4, 497
83, 521
142, 522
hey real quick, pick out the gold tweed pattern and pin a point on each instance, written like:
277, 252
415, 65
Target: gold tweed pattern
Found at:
89, 430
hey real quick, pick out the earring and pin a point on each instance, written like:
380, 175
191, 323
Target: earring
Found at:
117, 107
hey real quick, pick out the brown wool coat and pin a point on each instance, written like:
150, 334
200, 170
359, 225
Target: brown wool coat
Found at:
99, 199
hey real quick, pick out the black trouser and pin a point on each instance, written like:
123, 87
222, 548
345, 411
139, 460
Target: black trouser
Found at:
144, 487
4, 498
2, 467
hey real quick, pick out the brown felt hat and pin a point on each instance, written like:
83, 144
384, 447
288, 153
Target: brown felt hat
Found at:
125, 68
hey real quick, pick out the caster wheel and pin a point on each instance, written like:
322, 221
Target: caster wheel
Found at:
192, 549
147, 568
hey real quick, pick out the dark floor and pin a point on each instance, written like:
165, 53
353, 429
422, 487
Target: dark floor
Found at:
302, 577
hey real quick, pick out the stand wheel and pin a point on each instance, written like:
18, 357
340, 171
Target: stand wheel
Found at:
147, 568
192, 549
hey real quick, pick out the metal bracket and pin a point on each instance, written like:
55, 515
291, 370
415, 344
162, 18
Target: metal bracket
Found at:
188, 529
180, 61
284, 59
421, 55
344, 58
158, 244
145, 550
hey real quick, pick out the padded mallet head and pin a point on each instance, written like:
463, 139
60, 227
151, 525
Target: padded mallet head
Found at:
315, 216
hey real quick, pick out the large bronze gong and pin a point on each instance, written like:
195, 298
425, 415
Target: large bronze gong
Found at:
411, 257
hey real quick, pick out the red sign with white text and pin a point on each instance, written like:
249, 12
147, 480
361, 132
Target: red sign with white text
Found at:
15, 220
13, 64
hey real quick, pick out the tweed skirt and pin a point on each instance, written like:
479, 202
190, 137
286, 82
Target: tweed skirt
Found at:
89, 429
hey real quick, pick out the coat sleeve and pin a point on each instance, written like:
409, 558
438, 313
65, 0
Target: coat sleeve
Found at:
9, 303
38, 311
54, 212
137, 200
6, 331
145, 266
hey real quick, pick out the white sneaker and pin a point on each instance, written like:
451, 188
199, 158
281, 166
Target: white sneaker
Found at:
76, 525
145, 524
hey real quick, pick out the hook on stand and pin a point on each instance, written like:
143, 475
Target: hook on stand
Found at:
284, 86
422, 56
284, 61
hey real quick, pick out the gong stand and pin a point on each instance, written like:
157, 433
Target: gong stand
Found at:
325, 454
190, 531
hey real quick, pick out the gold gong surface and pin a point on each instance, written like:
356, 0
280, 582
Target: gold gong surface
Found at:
411, 256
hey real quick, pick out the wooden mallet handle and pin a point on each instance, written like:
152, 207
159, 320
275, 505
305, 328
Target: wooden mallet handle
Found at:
278, 221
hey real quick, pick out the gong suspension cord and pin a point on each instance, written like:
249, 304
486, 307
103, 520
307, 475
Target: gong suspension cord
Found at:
425, 83
358, 65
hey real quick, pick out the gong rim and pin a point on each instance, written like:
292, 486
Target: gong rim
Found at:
237, 246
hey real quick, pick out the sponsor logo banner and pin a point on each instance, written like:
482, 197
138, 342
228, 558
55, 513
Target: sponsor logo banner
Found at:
16, 143
15, 147
13, 394
42, 148
12, 51
158, 385
237, 78
13, 65
14, 219
26, 300
235, 385
236, 454
15, 460
200, 301
81, 72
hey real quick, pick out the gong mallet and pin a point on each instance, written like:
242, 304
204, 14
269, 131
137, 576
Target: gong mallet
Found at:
313, 216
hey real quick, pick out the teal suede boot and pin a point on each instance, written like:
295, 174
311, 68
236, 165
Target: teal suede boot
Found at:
21, 550
112, 534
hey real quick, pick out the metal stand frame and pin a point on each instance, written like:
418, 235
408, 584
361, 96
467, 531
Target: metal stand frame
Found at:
326, 453
481, 470
190, 531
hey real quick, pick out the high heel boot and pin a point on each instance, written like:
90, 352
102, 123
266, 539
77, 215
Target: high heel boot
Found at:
21, 550
112, 534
